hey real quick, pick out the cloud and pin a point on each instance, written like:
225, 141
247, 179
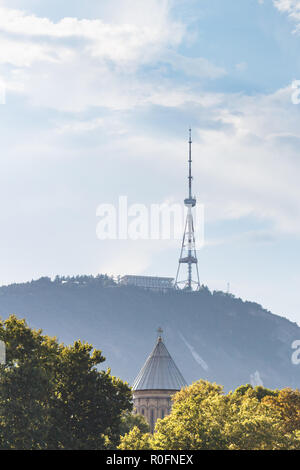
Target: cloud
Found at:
292, 8
73, 64
246, 147
118, 43
198, 67
25, 53
245, 157
251, 165
241, 67
245, 152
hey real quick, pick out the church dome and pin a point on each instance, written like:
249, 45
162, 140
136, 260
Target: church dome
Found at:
159, 371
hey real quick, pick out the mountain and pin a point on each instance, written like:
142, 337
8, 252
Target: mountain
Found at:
210, 335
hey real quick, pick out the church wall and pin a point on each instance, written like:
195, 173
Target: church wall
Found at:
152, 404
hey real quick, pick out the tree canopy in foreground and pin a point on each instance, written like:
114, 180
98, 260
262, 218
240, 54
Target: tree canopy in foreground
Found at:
53, 396
203, 417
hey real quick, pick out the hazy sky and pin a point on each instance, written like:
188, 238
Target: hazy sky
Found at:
99, 98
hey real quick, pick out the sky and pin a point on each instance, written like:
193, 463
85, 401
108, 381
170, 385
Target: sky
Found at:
99, 96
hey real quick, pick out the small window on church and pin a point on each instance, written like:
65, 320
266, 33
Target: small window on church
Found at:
152, 420
162, 414
143, 411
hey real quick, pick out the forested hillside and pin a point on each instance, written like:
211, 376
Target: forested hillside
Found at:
211, 335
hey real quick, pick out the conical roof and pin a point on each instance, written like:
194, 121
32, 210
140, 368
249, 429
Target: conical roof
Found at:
159, 371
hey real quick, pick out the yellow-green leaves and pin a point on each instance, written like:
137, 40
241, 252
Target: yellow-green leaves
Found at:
203, 417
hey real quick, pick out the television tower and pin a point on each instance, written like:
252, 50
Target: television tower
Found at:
188, 254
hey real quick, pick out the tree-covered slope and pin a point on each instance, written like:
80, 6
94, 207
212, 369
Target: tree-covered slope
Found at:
213, 336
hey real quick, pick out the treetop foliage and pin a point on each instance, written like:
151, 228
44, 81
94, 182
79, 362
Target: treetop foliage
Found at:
54, 396
204, 417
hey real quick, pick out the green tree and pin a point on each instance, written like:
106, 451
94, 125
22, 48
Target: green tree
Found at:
197, 419
25, 386
87, 402
53, 396
203, 417
136, 440
258, 392
287, 403
251, 425
130, 420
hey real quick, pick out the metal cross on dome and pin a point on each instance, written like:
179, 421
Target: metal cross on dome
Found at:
160, 332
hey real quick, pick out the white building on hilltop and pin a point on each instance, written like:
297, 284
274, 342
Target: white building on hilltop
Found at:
149, 282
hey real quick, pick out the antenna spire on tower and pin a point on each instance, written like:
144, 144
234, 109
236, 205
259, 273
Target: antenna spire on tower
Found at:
188, 249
